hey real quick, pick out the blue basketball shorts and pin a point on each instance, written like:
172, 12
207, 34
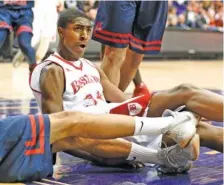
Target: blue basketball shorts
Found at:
25, 151
137, 24
19, 20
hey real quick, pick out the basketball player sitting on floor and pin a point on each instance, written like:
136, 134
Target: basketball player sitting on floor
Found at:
65, 81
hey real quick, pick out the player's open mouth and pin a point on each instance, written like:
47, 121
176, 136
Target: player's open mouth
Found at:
82, 46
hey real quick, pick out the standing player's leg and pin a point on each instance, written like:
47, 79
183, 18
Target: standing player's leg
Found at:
24, 40
24, 34
112, 62
146, 37
5, 25
140, 87
3, 35
113, 26
129, 68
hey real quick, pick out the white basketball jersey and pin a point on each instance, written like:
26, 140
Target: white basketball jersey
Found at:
83, 90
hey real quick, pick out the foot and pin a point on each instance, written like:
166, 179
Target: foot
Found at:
178, 160
183, 127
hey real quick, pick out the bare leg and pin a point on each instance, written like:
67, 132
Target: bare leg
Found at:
210, 136
112, 62
200, 101
78, 124
110, 126
129, 68
110, 148
137, 79
113, 152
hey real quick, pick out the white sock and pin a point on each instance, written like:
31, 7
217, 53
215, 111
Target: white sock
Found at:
143, 154
151, 126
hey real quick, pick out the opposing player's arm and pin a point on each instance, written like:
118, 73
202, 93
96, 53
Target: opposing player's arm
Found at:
111, 92
52, 88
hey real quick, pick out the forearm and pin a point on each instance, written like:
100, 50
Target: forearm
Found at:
49, 107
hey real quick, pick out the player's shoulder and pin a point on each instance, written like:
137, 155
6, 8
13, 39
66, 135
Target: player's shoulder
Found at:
52, 70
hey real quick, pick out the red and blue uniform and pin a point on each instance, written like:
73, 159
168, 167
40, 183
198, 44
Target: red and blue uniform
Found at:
25, 152
137, 24
17, 15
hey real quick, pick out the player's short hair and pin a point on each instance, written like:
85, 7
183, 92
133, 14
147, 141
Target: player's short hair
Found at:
68, 16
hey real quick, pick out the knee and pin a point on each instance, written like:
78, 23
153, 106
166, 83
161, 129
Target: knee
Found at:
114, 56
187, 89
136, 59
68, 116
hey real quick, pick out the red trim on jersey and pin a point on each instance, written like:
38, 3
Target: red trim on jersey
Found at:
68, 62
23, 28
41, 137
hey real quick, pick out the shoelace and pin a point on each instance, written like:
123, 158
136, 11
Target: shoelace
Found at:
170, 158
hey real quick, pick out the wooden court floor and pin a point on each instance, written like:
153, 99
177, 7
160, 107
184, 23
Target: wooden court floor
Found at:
157, 75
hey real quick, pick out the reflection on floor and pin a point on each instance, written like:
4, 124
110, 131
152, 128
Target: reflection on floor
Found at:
207, 170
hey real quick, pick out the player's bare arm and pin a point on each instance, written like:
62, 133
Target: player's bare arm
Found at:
111, 92
52, 87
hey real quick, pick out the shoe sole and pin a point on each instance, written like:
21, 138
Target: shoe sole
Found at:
185, 142
195, 144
